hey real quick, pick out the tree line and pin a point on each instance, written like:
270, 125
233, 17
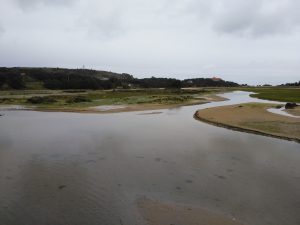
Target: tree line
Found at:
57, 78
292, 84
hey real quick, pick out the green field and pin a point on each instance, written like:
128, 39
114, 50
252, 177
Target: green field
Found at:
283, 94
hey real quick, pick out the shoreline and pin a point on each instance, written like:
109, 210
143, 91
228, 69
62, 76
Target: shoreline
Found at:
156, 212
250, 131
242, 129
126, 108
295, 111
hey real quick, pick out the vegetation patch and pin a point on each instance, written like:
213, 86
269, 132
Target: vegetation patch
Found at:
41, 100
283, 94
65, 79
290, 105
6, 100
78, 99
74, 91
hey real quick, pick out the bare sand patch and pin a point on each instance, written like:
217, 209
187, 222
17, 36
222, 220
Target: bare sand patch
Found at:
150, 113
108, 107
159, 213
295, 111
254, 118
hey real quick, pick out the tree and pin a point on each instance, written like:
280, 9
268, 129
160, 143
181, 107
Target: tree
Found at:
176, 84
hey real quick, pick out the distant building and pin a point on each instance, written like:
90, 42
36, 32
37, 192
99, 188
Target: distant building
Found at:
216, 79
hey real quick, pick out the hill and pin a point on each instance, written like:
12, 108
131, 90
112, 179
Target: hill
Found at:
60, 78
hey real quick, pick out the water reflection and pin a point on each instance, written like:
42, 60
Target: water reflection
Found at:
281, 111
67, 168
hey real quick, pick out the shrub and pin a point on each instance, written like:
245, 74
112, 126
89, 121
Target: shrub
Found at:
78, 99
41, 100
290, 105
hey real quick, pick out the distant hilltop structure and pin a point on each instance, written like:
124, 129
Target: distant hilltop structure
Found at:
216, 79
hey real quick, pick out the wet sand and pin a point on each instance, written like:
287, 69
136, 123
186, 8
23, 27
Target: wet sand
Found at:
151, 113
124, 108
295, 111
159, 213
254, 118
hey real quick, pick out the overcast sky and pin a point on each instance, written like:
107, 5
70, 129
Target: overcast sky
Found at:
247, 41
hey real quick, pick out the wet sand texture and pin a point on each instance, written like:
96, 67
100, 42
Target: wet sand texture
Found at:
158, 213
254, 118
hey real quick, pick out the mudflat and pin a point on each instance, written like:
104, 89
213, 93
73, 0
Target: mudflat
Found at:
157, 213
252, 117
295, 111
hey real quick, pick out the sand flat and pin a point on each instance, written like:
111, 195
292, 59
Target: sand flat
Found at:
252, 117
295, 111
159, 213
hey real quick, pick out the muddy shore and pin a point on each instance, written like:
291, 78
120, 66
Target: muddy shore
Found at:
157, 213
236, 117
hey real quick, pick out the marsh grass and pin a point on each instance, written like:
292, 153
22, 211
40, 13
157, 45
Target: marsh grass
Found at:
88, 98
252, 117
283, 94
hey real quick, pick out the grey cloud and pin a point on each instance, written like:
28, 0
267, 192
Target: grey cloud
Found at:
108, 27
170, 37
2, 30
182, 8
30, 4
257, 17
100, 20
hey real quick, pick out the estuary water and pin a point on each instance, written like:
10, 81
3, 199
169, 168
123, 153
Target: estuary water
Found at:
89, 169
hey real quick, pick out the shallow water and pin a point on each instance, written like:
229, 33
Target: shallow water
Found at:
281, 111
86, 169
108, 107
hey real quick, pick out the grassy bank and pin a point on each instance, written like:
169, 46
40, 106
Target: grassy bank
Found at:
283, 94
81, 100
254, 118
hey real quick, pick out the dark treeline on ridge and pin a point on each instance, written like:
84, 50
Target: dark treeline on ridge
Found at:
292, 84
58, 78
